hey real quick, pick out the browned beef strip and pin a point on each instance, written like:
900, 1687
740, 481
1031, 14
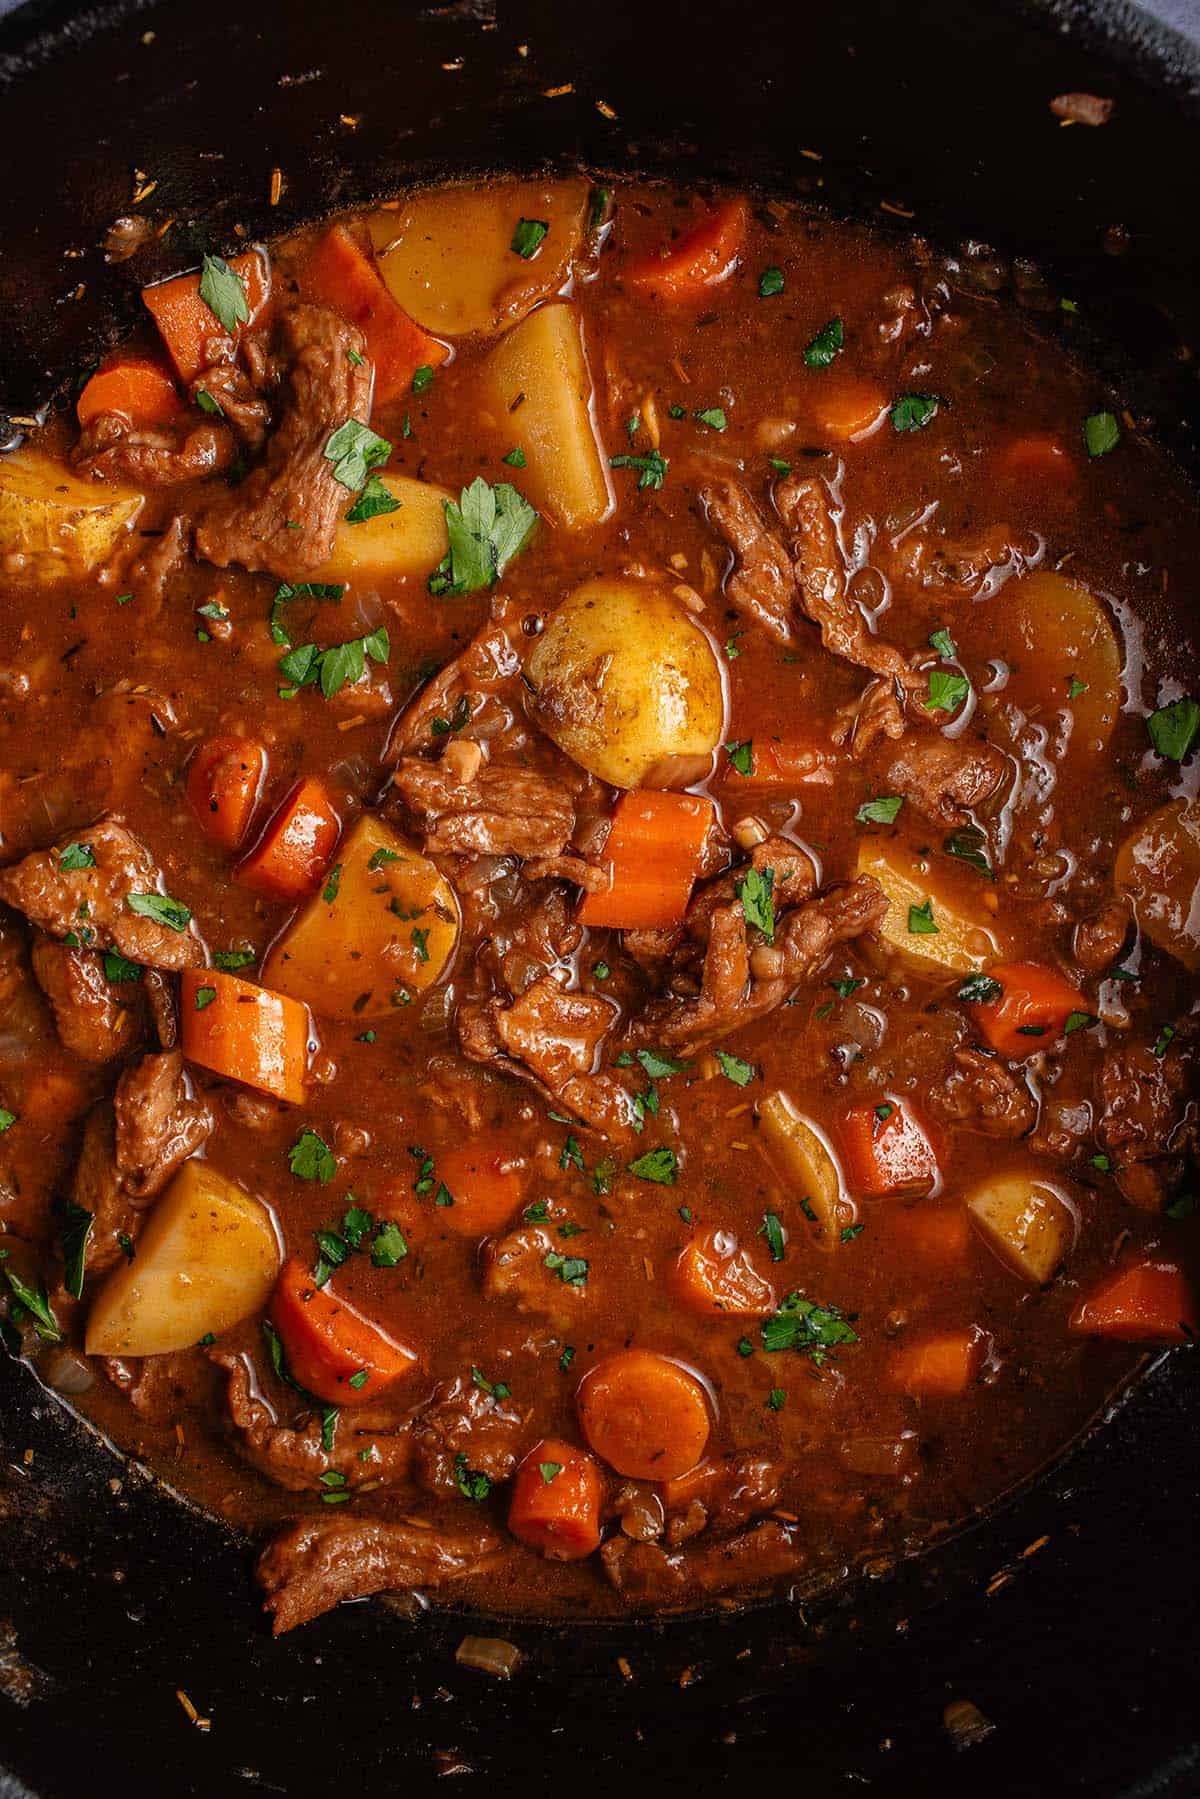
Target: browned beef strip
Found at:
500, 812
244, 409
294, 1456
159, 1124
566, 868
981, 1093
961, 566
726, 1494
483, 675
313, 1565
648, 1576
112, 449
51, 897
294, 485
151, 574
89, 1015
161, 1388
1149, 1106
461, 1420
760, 584
945, 778
1100, 938
514, 1269
98, 1189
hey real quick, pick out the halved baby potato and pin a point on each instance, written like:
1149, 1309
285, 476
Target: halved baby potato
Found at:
627, 683
536, 383
381, 930
934, 916
1065, 656
1158, 866
206, 1259
59, 525
448, 258
1028, 1222
411, 541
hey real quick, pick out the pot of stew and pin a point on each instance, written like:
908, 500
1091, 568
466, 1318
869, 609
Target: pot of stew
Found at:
599, 898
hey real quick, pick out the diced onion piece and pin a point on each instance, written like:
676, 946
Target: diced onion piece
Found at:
1027, 1221
804, 1156
491, 1655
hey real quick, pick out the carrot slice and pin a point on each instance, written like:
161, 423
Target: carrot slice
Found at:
333, 1351
643, 1414
1152, 1302
556, 1498
138, 388
791, 762
1041, 459
189, 328
224, 780
887, 1152
712, 1274
941, 1367
707, 254
1034, 1006
847, 406
244, 1032
485, 1186
290, 857
343, 275
652, 858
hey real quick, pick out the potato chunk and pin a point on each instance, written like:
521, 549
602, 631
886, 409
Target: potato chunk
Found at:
381, 929
805, 1159
934, 916
1068, 659
207, 1258
627, 683
448, 256
1158, 866
537, 381
58, 524
411, 541
1030, 1223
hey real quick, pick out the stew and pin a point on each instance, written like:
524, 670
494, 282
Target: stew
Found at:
599, 895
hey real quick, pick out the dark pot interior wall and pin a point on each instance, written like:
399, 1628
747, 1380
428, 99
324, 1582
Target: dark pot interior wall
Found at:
1082, 1652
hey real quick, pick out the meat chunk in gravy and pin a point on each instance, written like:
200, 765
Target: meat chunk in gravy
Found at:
88, 1008
463, 1428
313, 1565
499, 811
160, 1122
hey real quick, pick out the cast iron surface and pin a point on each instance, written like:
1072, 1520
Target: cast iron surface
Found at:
1082, 1653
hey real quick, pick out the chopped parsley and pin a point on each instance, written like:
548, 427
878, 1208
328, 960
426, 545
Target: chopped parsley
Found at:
658, 1165
979, 990
658, 1066
528, 237
1163, 1041
920, 920
566, 1358
353, 451
75, 856
31, 1302
74, 1229
333, 884
229, 960
311, 1159
487, 526
334, 667
1079, 1021
224, 293
388, 1246
599, 206
912, 412
119, 970
572, 1155
161, 908
810, 1329
572, 1271
374, 501
205, 997
967, 846
880, 811
772, 1229
652, 467
825, 345
470, 1482
1075, 687
7, 1119
770, 282
742, 755
550, 1471
206, 403
713, 417
776, 1399
602, 1176
515, 457
494, 1389
944, 644
845, 985
1101, 433
734, 1069
1173, 728
756, 892
946, 691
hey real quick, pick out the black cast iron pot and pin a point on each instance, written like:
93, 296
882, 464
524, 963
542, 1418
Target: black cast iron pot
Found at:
1069, 1617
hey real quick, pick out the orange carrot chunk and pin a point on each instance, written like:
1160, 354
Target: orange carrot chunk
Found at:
556, 1498
244, 1032
1037, 459
887, 1152
643, 1414
846, 405
293, 852
332, 1350
788, 762
485, 1186
712, 1274
137, 387
652, 858
941, 1367
1032, 1009
192, 332
340, 273
1152, 1302
707, 254
935, 1233
224, 780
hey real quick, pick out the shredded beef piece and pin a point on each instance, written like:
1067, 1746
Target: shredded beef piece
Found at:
514, 1268
462, 1420
313, 1565
161, 1388
945, 778
51, 897
648, 1576
1149, 1114
159, 1124
91, 1021
501, 812
1100, 939
760, 585
294, 484
981, 1093
112, 449
161, 1000
966, 568
152, 572
245, 411
725, 1495
1063, 1128
295, 1457
565, 868
98, 1189
485, 671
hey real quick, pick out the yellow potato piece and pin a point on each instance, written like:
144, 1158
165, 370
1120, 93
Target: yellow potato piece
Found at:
411, 541
965, 940
61, 525
626, 682
805, 1159
536, 381
1158, 866
1060, 633
207, 1258
388, 933
1029, 1223
447, 253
